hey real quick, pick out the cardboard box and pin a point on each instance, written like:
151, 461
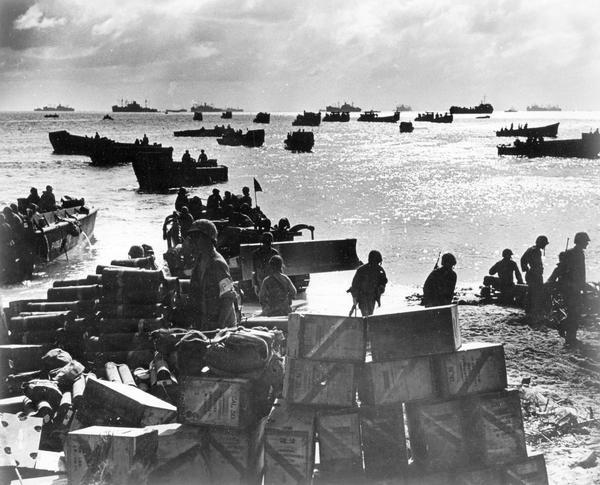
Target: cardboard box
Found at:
313, 382
339, 444
217, 401
112, 402
476, 430
393, 382
289, 445
326, 338
118, 451
383, 441
413, 333
474, 368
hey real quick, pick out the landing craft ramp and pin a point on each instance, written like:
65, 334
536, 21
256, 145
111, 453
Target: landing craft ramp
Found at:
306, 257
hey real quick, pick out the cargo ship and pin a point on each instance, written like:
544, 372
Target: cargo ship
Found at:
60, 107
482, 108
133, 107
535, 107
345, 108
205, 108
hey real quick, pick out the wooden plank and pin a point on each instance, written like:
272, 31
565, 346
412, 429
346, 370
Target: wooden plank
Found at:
413, 333
326, 338
398, 381
339, 444
383, 441
289, 445
217, 401
313, 382
306, 257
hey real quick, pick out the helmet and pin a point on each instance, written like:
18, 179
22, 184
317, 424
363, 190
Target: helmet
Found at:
375, 257
136, 252
206, 227
581, 237
267, 237
448, 259
541, 241
507, 252
182, 191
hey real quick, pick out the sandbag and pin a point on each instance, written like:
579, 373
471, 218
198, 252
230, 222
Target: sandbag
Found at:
43, 390
237, 351
55, 358
191, 350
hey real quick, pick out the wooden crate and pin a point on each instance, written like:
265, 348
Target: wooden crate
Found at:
474, 368
393, 382
383, 441
120, 449
326, 338
217, 401
20, 358
340, 449
413, 333
289, 445
531, 471
476, 430
313, 382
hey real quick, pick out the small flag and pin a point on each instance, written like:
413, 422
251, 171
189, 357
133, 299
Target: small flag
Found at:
257, 187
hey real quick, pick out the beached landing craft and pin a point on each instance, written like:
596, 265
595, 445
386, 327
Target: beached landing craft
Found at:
262, 117
300, 141
548, 131
337, 116
586, 147
252, 138
157, 172
374, 117
205, 132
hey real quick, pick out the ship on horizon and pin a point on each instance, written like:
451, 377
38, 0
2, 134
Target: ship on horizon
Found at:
209, 108
133, 107
60, 107
344, 108
403, 107
535, 107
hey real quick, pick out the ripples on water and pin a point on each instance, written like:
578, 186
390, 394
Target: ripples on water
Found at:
440, 188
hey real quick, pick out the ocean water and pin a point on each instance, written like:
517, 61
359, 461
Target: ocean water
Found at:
441, 188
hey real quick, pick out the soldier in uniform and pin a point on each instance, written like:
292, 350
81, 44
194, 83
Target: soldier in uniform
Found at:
440, 284
532, 266
260, 261
505, 268
368, 284
276, 291
212, 294
571, 283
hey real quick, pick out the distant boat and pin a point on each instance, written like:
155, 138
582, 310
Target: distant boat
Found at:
548, 131
307, 119
180, 110
484, 117
204, 132
510, 110
432, 117
402, 107
586, 147
300, 141
252, 138
535, 107
482, 108
198, 116
108, 117
234, 110
51, 116
227, 115
337, 116
205, 108
344, 108
60, 107
406, 127
374, 117
262, 118
133, 107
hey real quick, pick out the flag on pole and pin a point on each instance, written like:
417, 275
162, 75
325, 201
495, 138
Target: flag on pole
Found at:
257, 187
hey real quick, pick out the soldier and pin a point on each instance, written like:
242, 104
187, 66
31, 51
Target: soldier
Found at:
245, 198
440, 284
276, 291
532, 266
213, 204
47, 200
505, 268
368, 284
571, 282
182, 199
212, 294
260, 260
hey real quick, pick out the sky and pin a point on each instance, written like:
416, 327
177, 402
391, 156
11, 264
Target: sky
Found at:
288, 55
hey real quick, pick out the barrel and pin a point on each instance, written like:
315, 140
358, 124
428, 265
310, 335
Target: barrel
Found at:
65, 410
116, 310
65, 283
144, 263
132, 278
163, 374
77, 391
112, 372
79, 306
17, 306
126, 376
71, 293
40, 322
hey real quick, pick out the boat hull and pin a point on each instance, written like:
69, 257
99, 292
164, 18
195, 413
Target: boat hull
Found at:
300, 141
252, 139
59, 238
202, 132
373, 117
549, 131
586, 147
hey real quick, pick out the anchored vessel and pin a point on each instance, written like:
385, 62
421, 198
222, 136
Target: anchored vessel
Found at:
262, 118
307, 119
337, 116
60, 107
252, 138
133, 107
373, 116
586, 147
548, 131
205, 132
535, 107
344, 108
300, 141
482, 108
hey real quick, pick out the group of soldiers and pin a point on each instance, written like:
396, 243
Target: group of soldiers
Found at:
203, 161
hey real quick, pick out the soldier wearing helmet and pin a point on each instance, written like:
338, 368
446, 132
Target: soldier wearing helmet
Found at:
533, 267
260, 260
368, 284
211, 288
571, 283
440, 284
505, 269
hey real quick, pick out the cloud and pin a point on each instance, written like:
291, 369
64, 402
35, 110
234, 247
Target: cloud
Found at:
34, 18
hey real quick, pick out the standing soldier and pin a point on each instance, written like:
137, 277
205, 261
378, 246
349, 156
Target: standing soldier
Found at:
440, 284
571, 282
212, 295
368, 284
532, 266
260, 261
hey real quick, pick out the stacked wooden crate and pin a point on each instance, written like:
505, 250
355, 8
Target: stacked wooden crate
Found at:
461, 422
